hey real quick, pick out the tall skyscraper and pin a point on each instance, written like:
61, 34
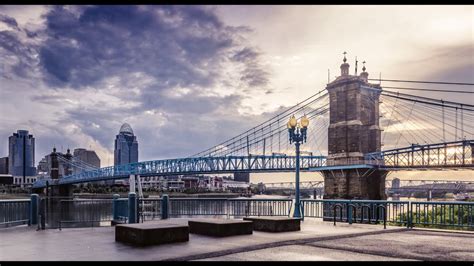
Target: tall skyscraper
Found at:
4, 165
126, 146
86, 157
21, 154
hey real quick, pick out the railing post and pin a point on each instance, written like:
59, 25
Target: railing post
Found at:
132, 207
334, 210
384, 215
164, 207
33, 209
115, 208
349, 212
410, 215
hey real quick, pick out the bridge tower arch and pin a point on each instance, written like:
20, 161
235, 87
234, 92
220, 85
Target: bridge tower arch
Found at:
353, 131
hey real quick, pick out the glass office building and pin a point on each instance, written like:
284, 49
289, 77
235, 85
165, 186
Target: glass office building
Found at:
126, 146
21, 154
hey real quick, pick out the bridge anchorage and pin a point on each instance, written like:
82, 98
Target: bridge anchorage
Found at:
344, 142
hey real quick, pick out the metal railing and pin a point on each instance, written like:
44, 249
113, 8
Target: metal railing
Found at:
258, 207
14, 212
85, 212
396, 212
197, 206
182, 207
442, 214
149, 209
94, 212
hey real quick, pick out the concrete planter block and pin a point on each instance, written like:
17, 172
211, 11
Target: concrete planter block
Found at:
275, 224
220, 227
147, 234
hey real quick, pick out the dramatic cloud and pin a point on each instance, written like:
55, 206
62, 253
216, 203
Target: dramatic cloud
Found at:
9, 21
168, 71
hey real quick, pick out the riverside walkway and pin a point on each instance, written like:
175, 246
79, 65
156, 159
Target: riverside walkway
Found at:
317, 240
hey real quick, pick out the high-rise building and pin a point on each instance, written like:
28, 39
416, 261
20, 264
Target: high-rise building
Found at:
4, 165
21, 154
126, 146
85, 157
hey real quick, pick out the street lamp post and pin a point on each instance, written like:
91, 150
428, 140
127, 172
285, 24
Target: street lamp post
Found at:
297, 133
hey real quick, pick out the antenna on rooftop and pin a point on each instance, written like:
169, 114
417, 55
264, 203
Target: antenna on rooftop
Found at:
356, 66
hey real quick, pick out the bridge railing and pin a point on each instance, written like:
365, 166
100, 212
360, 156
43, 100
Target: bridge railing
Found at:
448, 154
14, 212
442, 214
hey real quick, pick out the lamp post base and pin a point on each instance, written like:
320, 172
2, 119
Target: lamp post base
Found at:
297, 213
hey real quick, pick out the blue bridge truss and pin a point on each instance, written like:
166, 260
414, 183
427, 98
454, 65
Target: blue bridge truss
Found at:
189, 166
457, 154
445, 155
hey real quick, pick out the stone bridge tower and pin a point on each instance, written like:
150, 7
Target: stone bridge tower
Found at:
353, 131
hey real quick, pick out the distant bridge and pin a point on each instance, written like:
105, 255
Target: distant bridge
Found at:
404, 186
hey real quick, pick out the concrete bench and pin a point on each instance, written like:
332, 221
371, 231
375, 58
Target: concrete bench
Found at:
220, 227
146, 234
274, 224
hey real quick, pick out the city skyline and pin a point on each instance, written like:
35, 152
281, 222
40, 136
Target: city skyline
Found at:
228, 68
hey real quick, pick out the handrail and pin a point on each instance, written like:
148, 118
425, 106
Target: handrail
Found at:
352, 207
362, 213
384, 215
334, 211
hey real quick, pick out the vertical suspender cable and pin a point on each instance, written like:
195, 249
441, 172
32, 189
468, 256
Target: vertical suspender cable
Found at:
248, 147
442, 108
271, 139
279, 134
456, 127
462, 124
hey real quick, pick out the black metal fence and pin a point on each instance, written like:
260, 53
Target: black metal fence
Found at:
14, 212
183, 207
360, 211
67, 212
442, 214
85, 212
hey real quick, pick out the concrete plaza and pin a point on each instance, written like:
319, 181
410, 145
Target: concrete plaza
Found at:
317, 240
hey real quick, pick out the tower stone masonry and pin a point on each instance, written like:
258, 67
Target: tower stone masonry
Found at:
353, 132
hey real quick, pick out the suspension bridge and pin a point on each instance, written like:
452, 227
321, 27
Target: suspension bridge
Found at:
358, 129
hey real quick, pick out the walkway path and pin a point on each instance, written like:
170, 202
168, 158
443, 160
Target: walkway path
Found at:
316, 241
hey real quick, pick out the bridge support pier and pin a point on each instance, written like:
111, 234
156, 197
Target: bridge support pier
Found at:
361, 183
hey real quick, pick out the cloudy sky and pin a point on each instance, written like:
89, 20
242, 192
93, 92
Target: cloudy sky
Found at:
189, 77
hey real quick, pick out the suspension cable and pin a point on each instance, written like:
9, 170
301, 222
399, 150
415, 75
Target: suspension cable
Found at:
419, 89
428, 82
